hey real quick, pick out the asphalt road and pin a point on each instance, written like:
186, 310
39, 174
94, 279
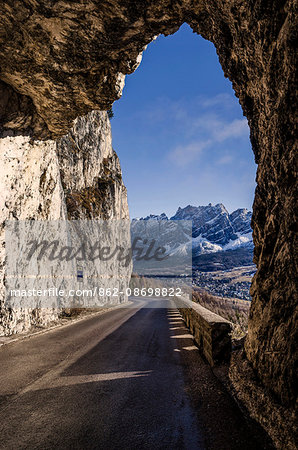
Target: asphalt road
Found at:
112, 381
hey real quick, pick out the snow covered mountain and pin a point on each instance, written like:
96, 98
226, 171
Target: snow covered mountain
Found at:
214, 231
213, 228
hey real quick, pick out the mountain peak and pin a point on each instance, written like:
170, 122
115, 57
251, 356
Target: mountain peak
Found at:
214, 223
161, 216
213, 228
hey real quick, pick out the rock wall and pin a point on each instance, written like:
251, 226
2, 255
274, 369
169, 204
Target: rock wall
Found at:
90, 170
61, 59
30, 189
77, 177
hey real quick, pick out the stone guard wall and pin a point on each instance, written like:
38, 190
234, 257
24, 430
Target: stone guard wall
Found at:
212, 333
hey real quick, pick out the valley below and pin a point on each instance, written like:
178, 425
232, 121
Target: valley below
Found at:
219, 245
232, 283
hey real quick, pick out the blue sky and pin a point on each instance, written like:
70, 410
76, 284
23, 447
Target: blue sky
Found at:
179, 131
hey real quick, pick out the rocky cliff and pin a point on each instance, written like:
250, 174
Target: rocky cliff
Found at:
77, 177
61, 59
90, 171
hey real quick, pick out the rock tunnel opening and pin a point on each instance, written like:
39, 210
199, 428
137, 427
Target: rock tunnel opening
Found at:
60, 61
182, 140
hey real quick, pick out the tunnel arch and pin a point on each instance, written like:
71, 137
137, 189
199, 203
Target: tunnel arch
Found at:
64, 59
178, 118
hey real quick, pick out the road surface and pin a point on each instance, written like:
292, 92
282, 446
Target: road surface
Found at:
111, 381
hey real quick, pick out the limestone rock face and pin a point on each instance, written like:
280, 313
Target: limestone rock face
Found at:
90, 170
77, 177
61, 59
30, 189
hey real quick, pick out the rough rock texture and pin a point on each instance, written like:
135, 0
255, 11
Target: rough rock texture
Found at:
30, 189
90, 170
77, 177
279, 421
62, 59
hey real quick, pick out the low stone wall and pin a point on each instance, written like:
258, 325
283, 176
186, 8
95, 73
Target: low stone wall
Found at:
211, 332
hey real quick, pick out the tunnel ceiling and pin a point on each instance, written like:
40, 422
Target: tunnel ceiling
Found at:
61, 59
